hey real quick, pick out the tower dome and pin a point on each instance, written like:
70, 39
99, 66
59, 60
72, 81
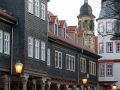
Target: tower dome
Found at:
86, 9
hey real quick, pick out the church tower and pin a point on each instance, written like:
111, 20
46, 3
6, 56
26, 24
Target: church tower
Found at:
86, 26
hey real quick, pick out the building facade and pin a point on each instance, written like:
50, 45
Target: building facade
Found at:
109, 44
49, 50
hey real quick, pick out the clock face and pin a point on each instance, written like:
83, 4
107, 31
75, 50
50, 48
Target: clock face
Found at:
109, 27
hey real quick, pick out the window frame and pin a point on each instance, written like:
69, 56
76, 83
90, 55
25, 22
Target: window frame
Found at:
37, 49
102, 70
43, 52
43, 11
107, 31
58, 59
1, 41
101, 47
48, 56
108, 48
107, 70
83, 65
99, 27
7, 43
31, 47
118, 47
30, 6
37, 8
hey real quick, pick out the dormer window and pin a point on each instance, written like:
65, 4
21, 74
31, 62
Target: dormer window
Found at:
109, 27
56, 27
101, 27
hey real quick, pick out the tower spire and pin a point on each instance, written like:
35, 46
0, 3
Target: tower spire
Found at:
85, 1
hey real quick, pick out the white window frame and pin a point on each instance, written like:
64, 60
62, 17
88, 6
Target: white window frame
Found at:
43, 11
1, 41
37, 8
117, 47
109, 27
30, 6
83, 64
43, 50
109, 46
6, 43
70, 62
30, 46
48, 56
101, 69
101, 27
109, 70
58, 59
101, 48
37, 49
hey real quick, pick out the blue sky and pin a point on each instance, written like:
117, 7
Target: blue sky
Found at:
69, 9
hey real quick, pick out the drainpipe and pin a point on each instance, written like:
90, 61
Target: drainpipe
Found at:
11, 60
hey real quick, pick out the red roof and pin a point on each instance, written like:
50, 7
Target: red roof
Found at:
71, 28
52, 19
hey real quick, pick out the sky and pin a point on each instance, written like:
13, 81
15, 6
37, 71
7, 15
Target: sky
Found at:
69, 9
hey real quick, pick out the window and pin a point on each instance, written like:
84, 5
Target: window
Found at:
43, 11
6, 43
70, 62
102, 70
37, 7
56, 29
30, 6
30, 47
109, 47
42, 50
83, 65
48, 56
1, 41
37, 49
118, 47
101, 27
109, 27
109, 70
92, 68
58, 59
101, 48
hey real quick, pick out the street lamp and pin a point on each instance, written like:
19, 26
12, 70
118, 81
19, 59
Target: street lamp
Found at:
18, 69
114, 87
84, 81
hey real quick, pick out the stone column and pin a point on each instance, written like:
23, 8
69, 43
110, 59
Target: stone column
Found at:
48, 83
73, 87
6, 81
43, 80
68, 88
24, 81
88, 88
34, 84
58, 85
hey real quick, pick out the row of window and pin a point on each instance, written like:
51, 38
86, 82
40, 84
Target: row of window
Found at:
4, 42
105, 70
109, 47
35, 46
109, 27
34, 7
92, 66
